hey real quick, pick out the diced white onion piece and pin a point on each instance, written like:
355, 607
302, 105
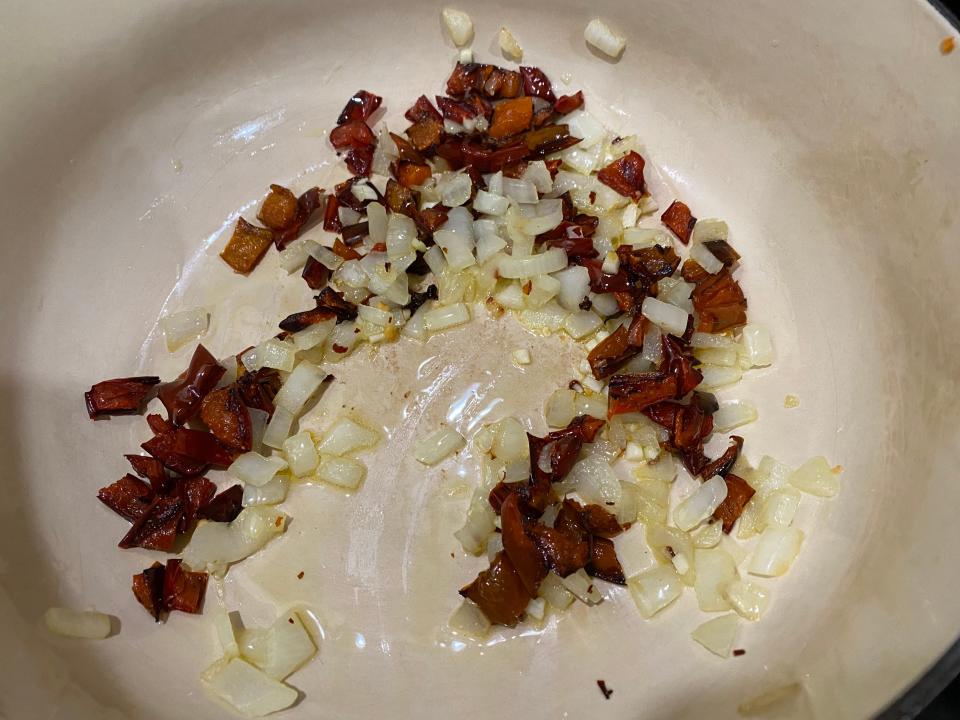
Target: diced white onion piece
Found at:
541, 218
560, 409
701, 504
443, 317
299, 387
345, 437
457, 248
214, 545
655, 589
489, 245
750, 522
585, 126
555, 592
816, 477
469, 620
775, 551
769, 475
351, 274
545, 320
254, 469
271, 493
639, 237
714, 569
301, 453
759, 347
521, 356
536, 608
537, 173
593, 405
676, 293
747, 599
378, 223
509, 45
494, 545
574, 286
452, 128
583, 160
183, 327
346, 473
652, 345
709, 229
271, 353
668, 317
374, 315
595, 481
523, 191
401, 232
86, 624
435, 260
278, 429
363, 191
581, 323
313, 335
246, 689
280, 649
708, 536
583, 587
779, 507
348, 216
708, 261
458, 24
490, 204
294, 255
718, 635
715, 376
225, 633
544, 263
438, 445
611, 263
673, 546
455, 188
601, 36
603, 303
510, 295
478, 526
734, 414
607, 199
630, 216
543, 288
494, 182
708, 340
762, 704
509, 440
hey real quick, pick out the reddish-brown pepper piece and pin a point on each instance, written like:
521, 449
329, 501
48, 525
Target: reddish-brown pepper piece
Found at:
612, 353
129, 497
536, 83
520, 548
680, 220
359, 107
224, 507
499, 592
625, 176
183, 396
511, 117
738, 495
148, 589
636, 392
246, 246
723, 464
568, 103
423, 109
121, 396
315, 274
228, 418
156, 529
183, 590
720, 302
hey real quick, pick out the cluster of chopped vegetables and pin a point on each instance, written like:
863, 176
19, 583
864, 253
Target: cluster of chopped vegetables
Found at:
501, 195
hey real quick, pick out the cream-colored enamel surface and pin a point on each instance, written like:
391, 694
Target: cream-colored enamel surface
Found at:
132, 134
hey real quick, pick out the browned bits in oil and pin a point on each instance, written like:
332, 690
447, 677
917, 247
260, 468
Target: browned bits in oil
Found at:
947, 45
300, 575
607, 692
738, 652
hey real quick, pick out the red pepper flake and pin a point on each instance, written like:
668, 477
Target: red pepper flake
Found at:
604, 689
625, 176
568, 103
122, 396
680, 220
300, 575
738, 652
338, 348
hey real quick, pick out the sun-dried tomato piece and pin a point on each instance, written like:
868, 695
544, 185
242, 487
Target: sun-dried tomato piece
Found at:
148, 589
499, 592
724, 464
604, 563
246, 246
612, 353
315, 274
422, 109
636, 392
542, 116
129, 497
258, 388
279, 208
183, 590
183, 396
224, 507
723, 251
719, 302
738, 495
412, 175
121, 396
151, 469
549, 139
565, 553
307, 205
228, 418
511, 117
425, 134
520, 548
568, 103
680, 365
158, 425
355, 134
359, 160
625, 176
680, 220
536, 83
196, 492
155, 529
360, 107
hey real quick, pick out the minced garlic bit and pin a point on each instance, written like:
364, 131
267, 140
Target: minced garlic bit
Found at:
521, 356
508, 43
791, 401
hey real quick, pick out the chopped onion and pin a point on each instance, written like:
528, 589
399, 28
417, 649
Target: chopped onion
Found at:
348, 216
718, 635
555, 592
708, 340
510, 295
560, 410
294, 255
536, 608
639, 237
715, 376
86, 624
377, 224
748, 600
280, 649
489, 245
225, 633
710, 229
708, 261
455, 188
494, 182
457, 248
816, 477
523, 191
549, 261
490, 204
574, 286
581, 323
401, 232
438, 445
583, 587
601, 36
346, 436
342, 340
652, 345
595, 481
509, 45
509, 441
673, 546
593, 405
708, 536
583, 160
775, 551
278, 429
734, 414
543, 288
655, 589
676, 292
301, 453
537, 173
271, 493
758, 345
346, 473
299, 387
494, 545
458, 24
603, 303
714, 569
271, 353
769, 475
701, 504
779, 507
585, 126
670, 318
521, 356
254, 469
374, 315
214, 545
443, 317
478, 526
540, 218
436, 260
183, 327
313, 335
469, 620
246, 689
